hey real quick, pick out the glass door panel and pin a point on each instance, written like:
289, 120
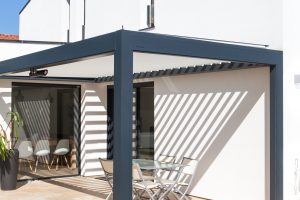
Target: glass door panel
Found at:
48, 141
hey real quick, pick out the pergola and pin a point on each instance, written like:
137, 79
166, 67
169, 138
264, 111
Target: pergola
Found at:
122, 45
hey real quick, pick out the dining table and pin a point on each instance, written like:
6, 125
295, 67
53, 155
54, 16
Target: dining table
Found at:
156, 166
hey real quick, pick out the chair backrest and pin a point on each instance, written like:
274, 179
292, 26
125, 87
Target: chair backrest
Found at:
25, 149
62, 147
42, 145
166, 158
191, 167
188, 172
107, 166
137, 174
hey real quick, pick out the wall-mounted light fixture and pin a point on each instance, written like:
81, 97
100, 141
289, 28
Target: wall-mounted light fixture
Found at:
36, 73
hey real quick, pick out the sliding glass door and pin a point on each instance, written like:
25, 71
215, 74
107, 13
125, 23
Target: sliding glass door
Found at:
49, 140
142, 120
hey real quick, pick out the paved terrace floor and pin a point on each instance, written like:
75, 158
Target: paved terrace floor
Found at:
72, 188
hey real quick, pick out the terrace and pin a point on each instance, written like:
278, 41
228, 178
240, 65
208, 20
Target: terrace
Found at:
90, 188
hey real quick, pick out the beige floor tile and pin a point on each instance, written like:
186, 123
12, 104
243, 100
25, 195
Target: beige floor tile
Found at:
72, 188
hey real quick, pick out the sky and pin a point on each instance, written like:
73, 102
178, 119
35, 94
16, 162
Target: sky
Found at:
9, 15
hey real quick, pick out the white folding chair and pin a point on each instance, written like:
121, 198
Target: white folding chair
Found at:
162, 173
166, 158
139, 183
165, 174
183, 179
107, 166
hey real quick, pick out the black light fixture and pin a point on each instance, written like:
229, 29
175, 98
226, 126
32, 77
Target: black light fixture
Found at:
37, 73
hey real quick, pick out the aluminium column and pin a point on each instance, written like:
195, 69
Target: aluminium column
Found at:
122, 152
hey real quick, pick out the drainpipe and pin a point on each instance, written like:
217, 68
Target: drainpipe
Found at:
84, 20
68, 31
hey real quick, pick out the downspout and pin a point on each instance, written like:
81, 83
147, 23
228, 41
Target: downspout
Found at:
68, 32
84, 20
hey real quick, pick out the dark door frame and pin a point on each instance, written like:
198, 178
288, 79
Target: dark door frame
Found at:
110, 112
78, 149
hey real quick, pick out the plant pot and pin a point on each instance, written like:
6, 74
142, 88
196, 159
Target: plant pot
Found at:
9, 171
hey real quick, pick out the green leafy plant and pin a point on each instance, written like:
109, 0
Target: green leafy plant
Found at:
9, 140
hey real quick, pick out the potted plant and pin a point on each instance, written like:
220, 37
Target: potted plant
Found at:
9, 156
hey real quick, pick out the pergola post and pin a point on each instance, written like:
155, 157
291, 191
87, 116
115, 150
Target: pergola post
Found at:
276, 128
123, 68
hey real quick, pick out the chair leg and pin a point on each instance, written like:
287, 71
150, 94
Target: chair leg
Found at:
66, 161
61, 162
57, 160
151, 194
109, 196
29, 165
46, 159
136, 194
36, 163
52, 161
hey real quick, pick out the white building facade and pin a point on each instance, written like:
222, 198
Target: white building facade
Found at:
240, 167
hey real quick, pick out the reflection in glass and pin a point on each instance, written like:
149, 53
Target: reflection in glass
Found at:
142, 120
48, 142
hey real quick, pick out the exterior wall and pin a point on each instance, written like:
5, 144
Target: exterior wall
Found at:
291, 97
225, 126
5, 101
93, 127
110, 16
45, 21
223, 120
93, 122
14, 49
76, 19
253, 21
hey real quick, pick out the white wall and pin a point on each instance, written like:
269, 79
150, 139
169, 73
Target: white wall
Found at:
14, 49
104, 17
291, 99
254, 21
45, 21
93, 127
5, 102
222, 119
76, 19
93, 122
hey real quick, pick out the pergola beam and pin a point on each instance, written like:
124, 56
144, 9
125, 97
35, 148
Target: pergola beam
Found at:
124, 43
67, 53
182, 46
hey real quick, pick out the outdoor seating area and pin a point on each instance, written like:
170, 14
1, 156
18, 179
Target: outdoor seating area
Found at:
157, 179
45, 158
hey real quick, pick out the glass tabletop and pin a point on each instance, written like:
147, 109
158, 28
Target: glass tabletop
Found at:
154, 164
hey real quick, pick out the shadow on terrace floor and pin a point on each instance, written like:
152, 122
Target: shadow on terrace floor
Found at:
73, 188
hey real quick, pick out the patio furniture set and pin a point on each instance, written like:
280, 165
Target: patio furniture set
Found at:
42, 150
156, 179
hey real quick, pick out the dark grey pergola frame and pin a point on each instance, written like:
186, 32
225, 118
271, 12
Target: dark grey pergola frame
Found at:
122, 44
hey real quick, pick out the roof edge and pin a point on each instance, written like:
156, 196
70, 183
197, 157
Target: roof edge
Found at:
24, 6
32, 42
